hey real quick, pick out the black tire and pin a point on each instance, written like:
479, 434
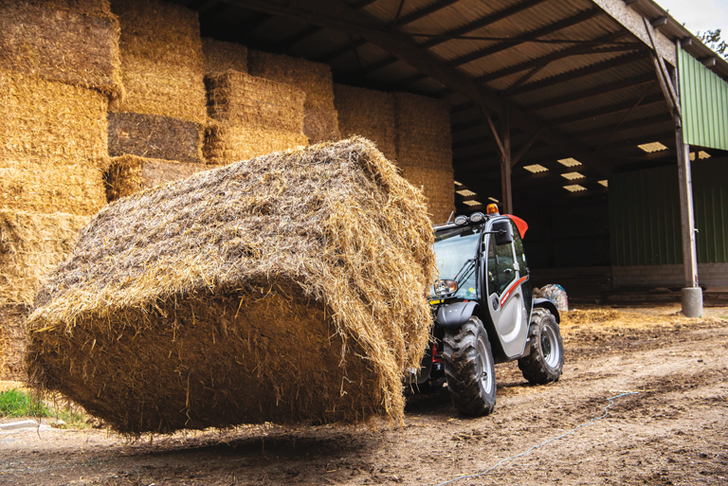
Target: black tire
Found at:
545, 361
469, 368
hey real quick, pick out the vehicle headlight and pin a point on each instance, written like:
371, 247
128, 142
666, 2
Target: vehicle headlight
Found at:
445, 287
461, 220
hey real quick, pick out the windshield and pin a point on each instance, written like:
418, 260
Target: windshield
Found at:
456, 252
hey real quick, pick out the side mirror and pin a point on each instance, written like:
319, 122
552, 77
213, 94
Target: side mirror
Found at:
503, 233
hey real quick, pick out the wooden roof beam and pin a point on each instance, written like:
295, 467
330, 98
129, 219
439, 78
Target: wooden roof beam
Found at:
407, 19
593, 93
608, 110
462, 30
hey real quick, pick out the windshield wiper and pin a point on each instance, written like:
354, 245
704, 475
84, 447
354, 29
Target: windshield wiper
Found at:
465, 271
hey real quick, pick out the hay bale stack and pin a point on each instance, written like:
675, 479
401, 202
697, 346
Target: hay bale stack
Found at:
253, 116
369, 114
31, 245
13, 341
161, 60
52, 146
220, 57
66, 41
51, 123
155, 136
225, 143
424, 150
423, 132
288, 288
240, 99
130, 174
439, 188
321, 120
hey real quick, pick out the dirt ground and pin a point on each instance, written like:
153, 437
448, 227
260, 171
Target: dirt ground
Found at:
671, 430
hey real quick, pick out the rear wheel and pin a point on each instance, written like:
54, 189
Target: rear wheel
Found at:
469, 368
545, 361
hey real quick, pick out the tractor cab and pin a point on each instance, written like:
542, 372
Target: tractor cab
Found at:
485, 312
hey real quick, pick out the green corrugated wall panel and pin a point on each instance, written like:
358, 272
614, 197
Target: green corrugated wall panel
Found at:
644, 215
704, 99
644, 225
710, 195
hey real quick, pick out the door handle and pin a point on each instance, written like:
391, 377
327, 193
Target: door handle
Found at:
508, 270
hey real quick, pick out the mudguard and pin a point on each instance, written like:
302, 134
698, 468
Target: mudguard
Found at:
456, 314
547, 304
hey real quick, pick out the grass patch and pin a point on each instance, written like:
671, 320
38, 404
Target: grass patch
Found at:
17, 403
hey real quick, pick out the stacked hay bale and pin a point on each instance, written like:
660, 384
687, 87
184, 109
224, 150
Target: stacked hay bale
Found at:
288, 288
59, 66
162, 116
321, 119
221, 57
413, 129
369, 114
252, 116
424, 150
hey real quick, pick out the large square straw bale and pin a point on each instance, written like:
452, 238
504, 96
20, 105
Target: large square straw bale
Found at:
226, 143
423, 132
13, 340
71, 45
438, 186
28, 186
221, 56
161, 60
241, 99
321, 125
51, 123
288, 288
130, 174
369, 114
31, 245
155, 136
313, 78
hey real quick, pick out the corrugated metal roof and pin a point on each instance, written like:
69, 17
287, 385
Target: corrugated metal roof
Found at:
538, 77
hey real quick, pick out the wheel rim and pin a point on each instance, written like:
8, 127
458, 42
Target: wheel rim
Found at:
484, 374
550, 346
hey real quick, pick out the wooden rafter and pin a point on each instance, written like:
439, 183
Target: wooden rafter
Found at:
608, 110
593, 92
465, 29
583, 72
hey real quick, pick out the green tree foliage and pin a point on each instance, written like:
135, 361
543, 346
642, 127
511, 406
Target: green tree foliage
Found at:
711, 38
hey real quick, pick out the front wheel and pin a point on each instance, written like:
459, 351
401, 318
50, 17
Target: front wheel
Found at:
545, 361
469, 368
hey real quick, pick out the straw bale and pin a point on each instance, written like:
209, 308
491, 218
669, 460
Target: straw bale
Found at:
13, 341
155, 136
225, 143
221, 56
95, 8
77, 45
130, 174
288, 288
369, 114
28, 186
51, 123
162, 65
423, 132
241, 99
438, 186
31, 245
312, 77
321, 125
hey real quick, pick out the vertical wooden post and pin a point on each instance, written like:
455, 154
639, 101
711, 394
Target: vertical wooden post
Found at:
506, 189
687, 218
692, 295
